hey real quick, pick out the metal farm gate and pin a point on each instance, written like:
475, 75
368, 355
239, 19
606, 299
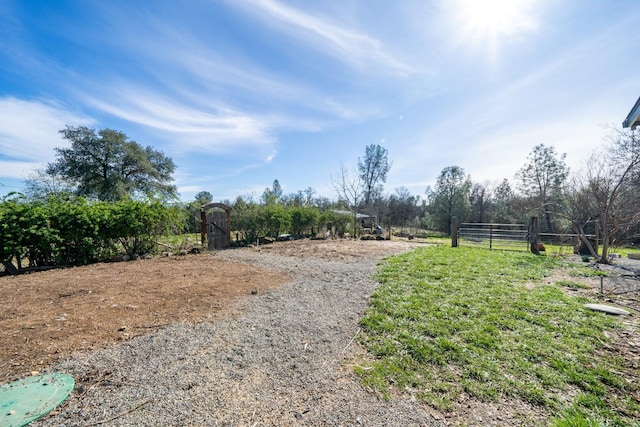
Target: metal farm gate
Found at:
494, 236
216, 225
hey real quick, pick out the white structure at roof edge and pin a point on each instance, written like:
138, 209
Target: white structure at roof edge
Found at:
633, 119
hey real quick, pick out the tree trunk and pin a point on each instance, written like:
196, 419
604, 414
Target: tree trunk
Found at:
355, 217
605, 239
534, 235
583, 238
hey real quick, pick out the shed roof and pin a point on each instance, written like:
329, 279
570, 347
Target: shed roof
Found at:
358, 215
633, 119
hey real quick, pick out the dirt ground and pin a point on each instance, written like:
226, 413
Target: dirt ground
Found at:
47, 316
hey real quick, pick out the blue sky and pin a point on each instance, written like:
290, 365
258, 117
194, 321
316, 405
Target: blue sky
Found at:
240, 93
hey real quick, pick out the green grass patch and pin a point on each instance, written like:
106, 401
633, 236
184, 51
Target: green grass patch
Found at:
558, 249
450, 320
577, 270
439, 240
175, 240
624, 251
571, 284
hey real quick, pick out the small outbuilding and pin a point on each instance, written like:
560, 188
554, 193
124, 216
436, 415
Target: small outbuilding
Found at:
364, 220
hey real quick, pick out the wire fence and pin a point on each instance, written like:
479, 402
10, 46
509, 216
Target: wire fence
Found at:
621, 280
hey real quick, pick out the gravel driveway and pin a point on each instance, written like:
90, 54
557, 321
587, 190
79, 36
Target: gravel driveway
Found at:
284, 359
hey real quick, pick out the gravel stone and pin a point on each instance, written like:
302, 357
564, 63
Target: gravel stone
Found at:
284, 360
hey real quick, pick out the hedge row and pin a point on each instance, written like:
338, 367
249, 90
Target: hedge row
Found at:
73, 231
252, 220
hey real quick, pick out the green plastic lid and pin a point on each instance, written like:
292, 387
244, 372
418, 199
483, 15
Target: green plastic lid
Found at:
28, 399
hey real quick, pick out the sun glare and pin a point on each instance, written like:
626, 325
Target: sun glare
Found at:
492, 23
497, 17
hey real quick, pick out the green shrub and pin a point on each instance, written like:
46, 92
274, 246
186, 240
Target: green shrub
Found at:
68, 230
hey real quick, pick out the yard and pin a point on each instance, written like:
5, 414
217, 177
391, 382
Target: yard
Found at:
282, 334
48, 316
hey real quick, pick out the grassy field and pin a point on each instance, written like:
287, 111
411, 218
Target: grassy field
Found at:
175, 240
447, 321
552, 249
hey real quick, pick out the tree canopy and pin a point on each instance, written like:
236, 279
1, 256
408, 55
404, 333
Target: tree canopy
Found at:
106, 165
450, 197
373, 171
273, 194
542, 179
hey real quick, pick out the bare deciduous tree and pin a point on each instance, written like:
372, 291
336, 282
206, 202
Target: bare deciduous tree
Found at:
607, 192
41, 185
481, 202
350, 189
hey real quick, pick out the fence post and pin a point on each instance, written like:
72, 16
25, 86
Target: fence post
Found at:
203, 226
534, 235
596, 246
454, 232
490, 236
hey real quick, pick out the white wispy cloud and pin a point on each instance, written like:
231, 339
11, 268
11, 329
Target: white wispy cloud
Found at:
214, 129
209, 74
190, 90
491, 136
349, 45
18, 170
191, 62
29, 131
198, 122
